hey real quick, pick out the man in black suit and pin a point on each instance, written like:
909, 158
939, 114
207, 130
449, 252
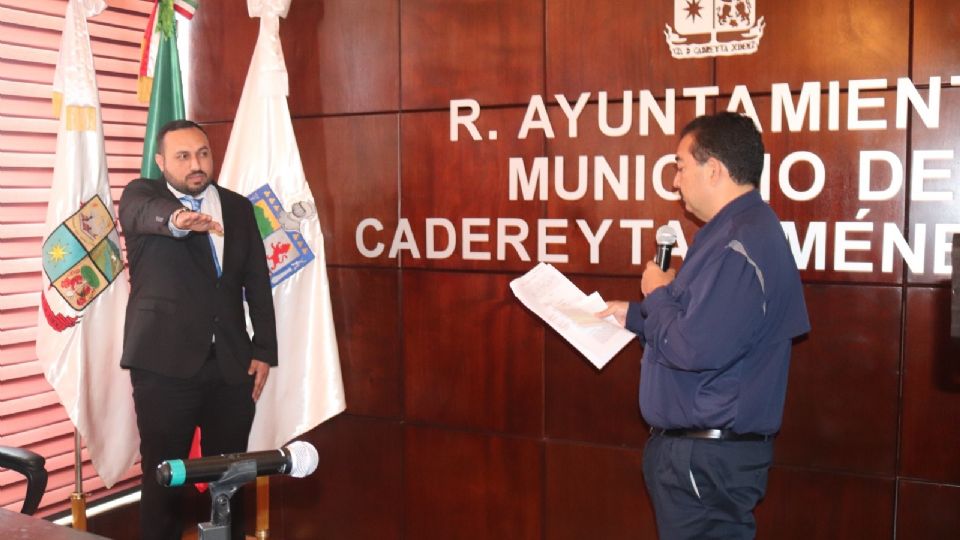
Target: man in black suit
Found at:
195, 254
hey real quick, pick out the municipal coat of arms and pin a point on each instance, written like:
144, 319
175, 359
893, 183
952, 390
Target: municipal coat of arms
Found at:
287, 250
714, 28
81, 257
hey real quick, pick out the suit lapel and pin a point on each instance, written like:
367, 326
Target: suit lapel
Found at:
228, 213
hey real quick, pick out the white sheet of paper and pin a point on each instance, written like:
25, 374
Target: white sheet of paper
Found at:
562, 305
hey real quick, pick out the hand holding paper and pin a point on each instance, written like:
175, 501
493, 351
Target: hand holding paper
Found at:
570, 312
616, 309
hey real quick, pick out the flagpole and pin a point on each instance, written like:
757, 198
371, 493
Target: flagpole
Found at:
263, 508
78, 501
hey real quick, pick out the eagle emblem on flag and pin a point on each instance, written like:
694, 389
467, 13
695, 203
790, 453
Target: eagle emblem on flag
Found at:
287, 251
81, 257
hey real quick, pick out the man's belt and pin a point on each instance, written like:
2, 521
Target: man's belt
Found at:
713, 434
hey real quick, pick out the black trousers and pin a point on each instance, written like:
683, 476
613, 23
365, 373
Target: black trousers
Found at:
705, 488
168, 410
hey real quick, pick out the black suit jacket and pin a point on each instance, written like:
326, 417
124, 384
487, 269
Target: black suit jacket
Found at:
176, 300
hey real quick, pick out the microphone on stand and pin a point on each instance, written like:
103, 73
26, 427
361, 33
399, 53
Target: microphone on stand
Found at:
666, 237
297, 459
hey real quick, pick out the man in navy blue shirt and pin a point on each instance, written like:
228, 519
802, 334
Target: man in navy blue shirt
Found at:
717, 337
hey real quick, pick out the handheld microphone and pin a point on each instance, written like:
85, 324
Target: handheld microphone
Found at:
666, 237
298, 459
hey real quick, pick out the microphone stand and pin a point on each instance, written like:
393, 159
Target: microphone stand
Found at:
218, 528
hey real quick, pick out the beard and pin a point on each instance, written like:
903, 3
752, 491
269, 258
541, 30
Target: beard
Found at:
188, 185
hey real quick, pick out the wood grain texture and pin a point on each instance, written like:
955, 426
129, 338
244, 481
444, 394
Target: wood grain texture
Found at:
841, 409
488, 50
471, 486
473, 355
931, 389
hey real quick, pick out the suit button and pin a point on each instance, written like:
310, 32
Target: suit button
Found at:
216, 320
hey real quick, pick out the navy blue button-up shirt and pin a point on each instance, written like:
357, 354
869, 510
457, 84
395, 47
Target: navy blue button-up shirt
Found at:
717, 339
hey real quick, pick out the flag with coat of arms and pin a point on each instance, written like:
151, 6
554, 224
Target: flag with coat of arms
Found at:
85, 284
263, 162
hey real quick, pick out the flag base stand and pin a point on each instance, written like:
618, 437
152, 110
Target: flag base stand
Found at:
78, 499
218, 528
78, 511
263, 503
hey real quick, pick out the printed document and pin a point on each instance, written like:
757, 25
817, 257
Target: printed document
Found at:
556, 300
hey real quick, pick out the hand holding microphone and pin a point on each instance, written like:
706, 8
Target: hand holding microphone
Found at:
666, 238
657, 273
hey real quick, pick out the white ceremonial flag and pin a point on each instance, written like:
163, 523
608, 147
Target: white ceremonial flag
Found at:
263, 163
85, 285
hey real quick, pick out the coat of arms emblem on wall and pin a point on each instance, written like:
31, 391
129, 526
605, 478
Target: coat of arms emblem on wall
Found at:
714, 28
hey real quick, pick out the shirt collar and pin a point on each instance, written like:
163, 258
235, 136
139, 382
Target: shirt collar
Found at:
732, 208
737, 205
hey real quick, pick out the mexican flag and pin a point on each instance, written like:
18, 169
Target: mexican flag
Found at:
159, 82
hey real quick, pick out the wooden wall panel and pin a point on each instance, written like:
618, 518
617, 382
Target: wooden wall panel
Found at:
931, 389
823, 40
936, 24
595, 492
479, 367
351, 166
221, 45
943, 165
471, 486
356, 491
465, 179
927, 510
342, 56
369, 339
587, 404
612, 46
841, 410
488, 50
804, 504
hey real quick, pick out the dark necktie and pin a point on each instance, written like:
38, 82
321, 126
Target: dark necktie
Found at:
194, 205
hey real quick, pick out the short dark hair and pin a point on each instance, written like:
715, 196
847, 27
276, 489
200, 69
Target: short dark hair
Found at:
175, 125
731, 138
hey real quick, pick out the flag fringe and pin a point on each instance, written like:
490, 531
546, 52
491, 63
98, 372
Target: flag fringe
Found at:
81, 118
144, 87
56, 321
57, 100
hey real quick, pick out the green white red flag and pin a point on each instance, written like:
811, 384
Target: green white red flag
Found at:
160, 82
